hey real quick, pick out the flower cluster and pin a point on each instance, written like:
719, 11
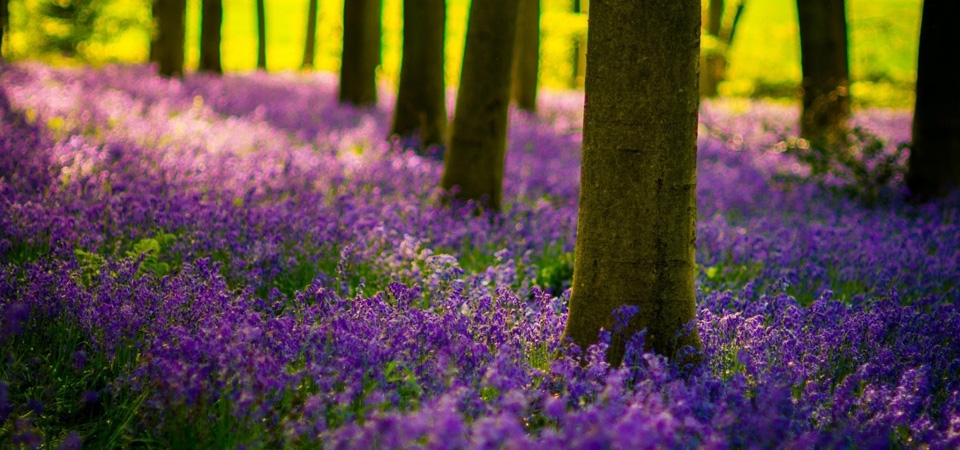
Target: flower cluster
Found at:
239, 261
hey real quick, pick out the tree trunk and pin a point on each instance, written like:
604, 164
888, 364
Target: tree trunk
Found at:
728, 27
166, 47
933, 169
4, 19
261, 35
526, 56
720, 27
361, 52
474, 162
579, 50
636, 229
421, 103
826, 73
714, 17
211, 21
309, 47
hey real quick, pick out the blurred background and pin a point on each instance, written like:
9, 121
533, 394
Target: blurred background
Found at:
758, 57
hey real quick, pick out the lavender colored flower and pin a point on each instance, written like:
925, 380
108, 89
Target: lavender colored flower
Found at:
312, 293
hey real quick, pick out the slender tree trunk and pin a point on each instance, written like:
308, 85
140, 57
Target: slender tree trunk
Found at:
636, 226
720, 27
474, 162
826, 73
309, 47
579, 50
211, 21
4, 19
714, 17
712, 59
166, 47
933, 169
361, 52
526, 56
728, 27
421, 103
261, 35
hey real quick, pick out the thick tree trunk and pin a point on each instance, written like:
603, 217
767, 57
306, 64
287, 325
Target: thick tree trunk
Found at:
261, 35
826, 73
474, 161
361, 52
934, 164
421, 103
211, 21
309, 47
636, 226
166, 47
526, 56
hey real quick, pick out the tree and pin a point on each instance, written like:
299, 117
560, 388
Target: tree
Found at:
933, 168
636, 222
309, 47
4, 19
361, 52
421, 103
579, 49
719, 31
210, 23
526, 56
166, 47
475, 158
261, 35
826, 74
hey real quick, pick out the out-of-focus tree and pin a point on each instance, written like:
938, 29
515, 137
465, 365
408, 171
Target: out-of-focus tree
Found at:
826, 72
421, 103
261, 35
933, 168
72, 22
637, 210
4, 12
719, 29
310, 45
210, 23
361, 52
166, 47
473, 166
579, 49
526, 56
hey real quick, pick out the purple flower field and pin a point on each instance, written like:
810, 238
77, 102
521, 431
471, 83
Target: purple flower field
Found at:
240, 262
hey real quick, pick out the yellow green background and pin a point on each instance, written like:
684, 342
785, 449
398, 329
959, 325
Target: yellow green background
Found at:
763, 61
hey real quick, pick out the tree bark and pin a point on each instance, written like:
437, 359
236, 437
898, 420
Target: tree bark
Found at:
309, 47
474, 162
261, 35
361, 52
826, 73
933, 168
166, 47
636, 229
211, 21
421, 103
526, 56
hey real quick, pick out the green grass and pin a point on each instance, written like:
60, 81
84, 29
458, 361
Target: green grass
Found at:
764, 59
